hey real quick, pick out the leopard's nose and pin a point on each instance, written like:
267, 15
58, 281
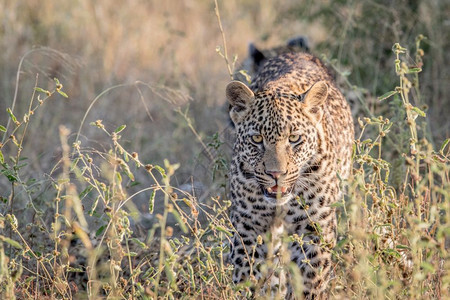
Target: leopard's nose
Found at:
275, 174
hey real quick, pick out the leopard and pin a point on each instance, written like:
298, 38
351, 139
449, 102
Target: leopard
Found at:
293, 149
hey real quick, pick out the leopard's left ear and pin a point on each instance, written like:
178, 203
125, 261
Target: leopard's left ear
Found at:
315, 98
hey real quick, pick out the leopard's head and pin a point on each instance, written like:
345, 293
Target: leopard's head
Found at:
277, 135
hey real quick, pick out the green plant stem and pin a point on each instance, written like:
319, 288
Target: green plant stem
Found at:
162, 221
224, 41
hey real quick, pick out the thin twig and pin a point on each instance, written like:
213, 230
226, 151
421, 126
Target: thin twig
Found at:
224, 41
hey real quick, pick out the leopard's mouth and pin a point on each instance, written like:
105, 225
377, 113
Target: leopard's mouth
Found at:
276, 192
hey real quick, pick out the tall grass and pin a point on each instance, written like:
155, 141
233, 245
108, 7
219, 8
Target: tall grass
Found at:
98, 203
392, 236
394, 221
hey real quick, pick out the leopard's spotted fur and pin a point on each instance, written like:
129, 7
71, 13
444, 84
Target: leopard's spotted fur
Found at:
294, 134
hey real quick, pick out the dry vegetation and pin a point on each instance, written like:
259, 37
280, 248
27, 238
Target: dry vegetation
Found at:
92, 208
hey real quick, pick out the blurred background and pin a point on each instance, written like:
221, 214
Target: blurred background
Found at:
166, 55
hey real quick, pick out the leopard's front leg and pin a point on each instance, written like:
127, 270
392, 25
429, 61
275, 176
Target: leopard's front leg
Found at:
258, 244
312, 252
247, 249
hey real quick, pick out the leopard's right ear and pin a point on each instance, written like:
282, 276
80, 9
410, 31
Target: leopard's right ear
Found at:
239, 96
257, 56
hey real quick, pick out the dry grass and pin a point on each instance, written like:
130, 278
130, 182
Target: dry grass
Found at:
93, 208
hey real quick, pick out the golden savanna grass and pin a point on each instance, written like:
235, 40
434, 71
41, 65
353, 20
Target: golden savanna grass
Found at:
115, 144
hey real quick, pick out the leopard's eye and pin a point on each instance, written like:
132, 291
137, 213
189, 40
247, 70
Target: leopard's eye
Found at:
257, 138
294, 138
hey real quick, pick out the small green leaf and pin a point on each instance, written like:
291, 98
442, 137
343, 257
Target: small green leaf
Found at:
127, 171
170, 275
100, 230
346, 73
28, 254
419, 112
10, 113
62, 94
151, 201
119, 177
387, 95
85, 192
75, 270
191, 274
2, 128
2, 159
161, 171
30, 279
120, 128
414, 70
388, 126
74, 163
11, 242
18, 167
341, 243
392, 252
444, 145
223, 229
337, 204
134, 183
180, 221
403, 247
139, 243
38, 89
94, 206
244, 73
9, 174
